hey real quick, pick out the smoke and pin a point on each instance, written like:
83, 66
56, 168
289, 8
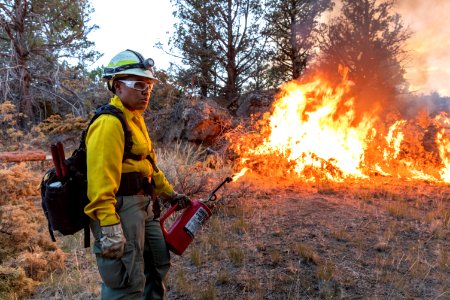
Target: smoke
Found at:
428, 69
428, 66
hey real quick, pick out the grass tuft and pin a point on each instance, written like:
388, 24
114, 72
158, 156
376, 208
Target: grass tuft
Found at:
209, 293
326, 271
236, 256
307, 253
196, 257
240, 226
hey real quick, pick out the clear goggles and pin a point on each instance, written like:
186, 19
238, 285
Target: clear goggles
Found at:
137, 85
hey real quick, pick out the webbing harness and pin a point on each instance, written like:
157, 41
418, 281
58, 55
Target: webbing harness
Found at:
112, 110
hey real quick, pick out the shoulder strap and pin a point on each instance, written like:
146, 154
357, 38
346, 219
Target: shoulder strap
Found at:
112, 110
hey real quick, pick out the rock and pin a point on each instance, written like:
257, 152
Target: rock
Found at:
194, 120
255, 103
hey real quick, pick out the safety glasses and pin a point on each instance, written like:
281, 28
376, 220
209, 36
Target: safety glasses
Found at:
137, 85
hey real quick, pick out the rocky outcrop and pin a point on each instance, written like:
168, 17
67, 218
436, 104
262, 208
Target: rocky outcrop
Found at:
255, 103
204, 120
194, 120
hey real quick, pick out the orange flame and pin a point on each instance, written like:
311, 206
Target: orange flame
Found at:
394, 140
311, 137
444, 152
236, 176
317, 134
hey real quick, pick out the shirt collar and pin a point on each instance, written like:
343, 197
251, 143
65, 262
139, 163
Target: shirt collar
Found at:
128, 113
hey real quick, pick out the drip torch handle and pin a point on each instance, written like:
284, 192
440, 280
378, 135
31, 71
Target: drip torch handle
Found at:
165, 216
60, 149
55, 159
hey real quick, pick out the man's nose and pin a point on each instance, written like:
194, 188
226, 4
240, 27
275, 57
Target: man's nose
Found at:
146, 92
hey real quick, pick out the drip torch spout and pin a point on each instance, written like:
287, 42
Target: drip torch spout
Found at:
212, 197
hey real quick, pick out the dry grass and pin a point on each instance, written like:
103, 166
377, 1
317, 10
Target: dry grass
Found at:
362, 240
27, 255
307, 253
15, 283
236, 256
189, 168
209, 293
268, 239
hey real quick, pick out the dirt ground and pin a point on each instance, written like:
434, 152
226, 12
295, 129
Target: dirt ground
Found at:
284, 240
278, 239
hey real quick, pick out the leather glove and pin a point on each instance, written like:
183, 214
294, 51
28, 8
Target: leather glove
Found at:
182, 200
112, 241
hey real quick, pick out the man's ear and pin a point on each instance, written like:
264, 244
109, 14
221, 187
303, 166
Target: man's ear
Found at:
117, 86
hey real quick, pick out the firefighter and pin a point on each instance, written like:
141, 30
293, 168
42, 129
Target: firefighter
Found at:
132, 256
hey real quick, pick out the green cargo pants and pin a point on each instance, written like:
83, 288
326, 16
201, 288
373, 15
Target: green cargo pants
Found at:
140, 273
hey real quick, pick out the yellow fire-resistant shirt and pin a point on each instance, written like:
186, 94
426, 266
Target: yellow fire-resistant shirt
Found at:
105, 147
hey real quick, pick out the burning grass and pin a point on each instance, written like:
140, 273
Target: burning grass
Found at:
314, 132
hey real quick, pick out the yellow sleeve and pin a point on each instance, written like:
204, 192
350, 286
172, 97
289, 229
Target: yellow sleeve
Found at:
162, 186
105, 145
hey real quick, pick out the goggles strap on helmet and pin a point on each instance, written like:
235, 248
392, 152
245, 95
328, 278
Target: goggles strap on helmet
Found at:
124, 67
145, 64
128, 60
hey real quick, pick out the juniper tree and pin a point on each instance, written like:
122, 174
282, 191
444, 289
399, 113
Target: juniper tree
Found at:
290, 27
220, 41
367, 38
37, 39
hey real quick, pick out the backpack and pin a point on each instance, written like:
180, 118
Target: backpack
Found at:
64, 197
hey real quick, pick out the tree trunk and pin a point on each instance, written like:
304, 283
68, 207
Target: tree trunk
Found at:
18, 156
204, 73
15, 29
230, 88
22, 53
25, 106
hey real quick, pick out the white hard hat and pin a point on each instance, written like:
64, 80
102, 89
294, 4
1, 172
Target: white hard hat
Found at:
128, 62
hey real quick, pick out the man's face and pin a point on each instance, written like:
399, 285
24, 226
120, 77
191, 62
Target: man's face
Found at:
134, 95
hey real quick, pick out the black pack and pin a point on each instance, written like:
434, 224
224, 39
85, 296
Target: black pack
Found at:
64, 197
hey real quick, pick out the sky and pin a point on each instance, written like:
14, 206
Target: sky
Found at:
133, 24
140, 24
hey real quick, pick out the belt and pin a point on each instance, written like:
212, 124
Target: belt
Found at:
133, 183
141, 192
130, 184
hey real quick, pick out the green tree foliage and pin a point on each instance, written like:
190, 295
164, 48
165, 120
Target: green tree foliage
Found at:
37, 38
193, 38
222, 42
238, 47
290, 27
367, 38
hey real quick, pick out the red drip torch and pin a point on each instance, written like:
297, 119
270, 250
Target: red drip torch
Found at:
183, 230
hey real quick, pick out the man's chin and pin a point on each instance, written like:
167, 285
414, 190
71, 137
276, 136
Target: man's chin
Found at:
142, 107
